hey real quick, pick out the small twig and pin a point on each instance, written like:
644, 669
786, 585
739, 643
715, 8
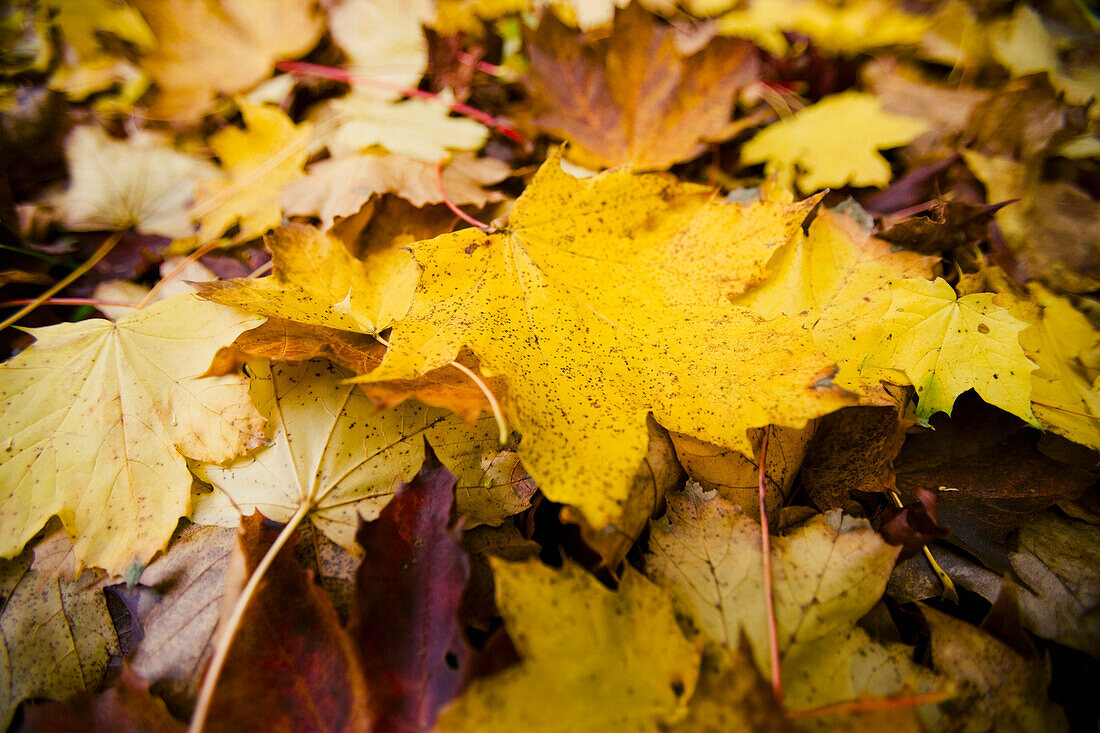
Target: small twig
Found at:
108, 244
871, 705
465, 57
451, 205
68, 301
766, 552
225, 638
331, 72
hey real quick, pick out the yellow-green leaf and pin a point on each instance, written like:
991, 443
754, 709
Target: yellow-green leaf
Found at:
592, 659
835, 142
98, 417
946, 345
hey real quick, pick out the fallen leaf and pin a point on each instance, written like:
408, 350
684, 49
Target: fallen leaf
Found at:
506, 542
839, 276
384, 39
998, 689
834, 142
331, 451
290, 663
258, 161
946, 345
913, 525
100, 416
315, 280
416, 128
633, 97
985, 496
659, 473
128, 707
852, 450
843, 28
414, 653
827, 574
238, 45
550, 305
1060, 339
732, 696
338, 187
944, 227
736, 477
57, 636
592, 659
140, 182
176, 605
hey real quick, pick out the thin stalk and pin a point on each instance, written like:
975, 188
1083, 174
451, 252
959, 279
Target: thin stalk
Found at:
949, 591
108, 244
450, 204
766, 552
225, 638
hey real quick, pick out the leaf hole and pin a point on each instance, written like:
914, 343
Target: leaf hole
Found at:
451, 660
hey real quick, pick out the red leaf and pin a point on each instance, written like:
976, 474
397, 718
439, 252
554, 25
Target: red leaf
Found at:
409, 590
291, 666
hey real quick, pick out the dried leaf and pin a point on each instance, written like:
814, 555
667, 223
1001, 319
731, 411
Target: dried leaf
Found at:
99, 417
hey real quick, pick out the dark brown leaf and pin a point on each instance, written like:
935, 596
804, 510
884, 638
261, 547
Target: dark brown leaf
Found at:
852, 450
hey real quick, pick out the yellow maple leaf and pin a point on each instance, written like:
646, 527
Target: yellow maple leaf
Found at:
141, 182
839, 275
946, 345
333, 455
1064, 389
315, 280
259, 161
592, 659
205, 48
827, 574
99, 417
834, 142
603, 300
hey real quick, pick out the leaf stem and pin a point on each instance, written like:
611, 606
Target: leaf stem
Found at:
766, 554
451, 205
949, 591
871, 705
108, 244
225, 638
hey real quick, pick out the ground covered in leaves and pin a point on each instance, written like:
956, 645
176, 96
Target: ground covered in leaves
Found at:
507, 365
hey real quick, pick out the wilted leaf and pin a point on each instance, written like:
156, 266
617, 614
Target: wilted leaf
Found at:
550, 305
331, 450
290, 665
835, 142
998, 689
99, 417
338, 187
993, 478
827, 574
947, 345
409, 589
176, 605
593, 659
634, 97
140, 182
239, 43
259, 162
57, 636
316, 280
128, 707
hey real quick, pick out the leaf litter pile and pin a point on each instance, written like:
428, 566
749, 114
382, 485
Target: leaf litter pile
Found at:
403, 365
